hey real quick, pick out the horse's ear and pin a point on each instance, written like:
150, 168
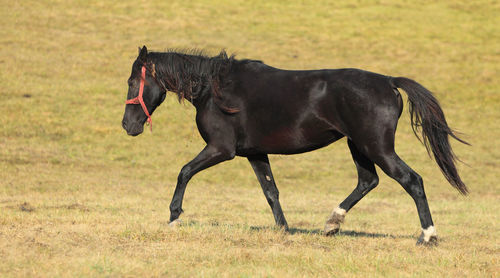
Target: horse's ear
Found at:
143, 53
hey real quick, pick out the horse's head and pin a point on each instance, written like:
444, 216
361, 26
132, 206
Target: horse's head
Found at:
144, 94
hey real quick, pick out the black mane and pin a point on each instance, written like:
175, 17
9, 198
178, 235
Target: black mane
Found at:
191, 73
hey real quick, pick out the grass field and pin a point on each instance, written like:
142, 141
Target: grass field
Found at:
78, 197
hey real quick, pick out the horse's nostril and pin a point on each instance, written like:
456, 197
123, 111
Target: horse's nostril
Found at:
124, 125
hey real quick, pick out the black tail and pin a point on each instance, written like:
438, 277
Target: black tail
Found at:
425, 113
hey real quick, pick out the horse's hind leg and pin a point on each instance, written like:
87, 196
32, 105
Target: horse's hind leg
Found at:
262, 168
367, 180
397, 169
381, 152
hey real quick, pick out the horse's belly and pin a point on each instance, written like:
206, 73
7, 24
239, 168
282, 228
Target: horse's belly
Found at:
287, 141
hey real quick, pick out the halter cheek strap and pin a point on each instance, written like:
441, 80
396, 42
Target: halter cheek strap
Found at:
140, 100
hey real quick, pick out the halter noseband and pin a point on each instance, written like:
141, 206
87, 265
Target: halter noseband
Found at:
140, 100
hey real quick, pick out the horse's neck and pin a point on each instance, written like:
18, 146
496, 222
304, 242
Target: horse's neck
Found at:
182, 81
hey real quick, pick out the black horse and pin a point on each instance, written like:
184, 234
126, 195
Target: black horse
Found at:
249, 109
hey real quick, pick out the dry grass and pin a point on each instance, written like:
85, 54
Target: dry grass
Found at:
80, 198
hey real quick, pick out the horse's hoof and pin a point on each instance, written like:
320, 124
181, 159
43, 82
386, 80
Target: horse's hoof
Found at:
176, 223
433, 241
331, 229
332, 225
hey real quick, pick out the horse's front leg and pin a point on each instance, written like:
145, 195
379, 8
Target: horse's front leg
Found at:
209, 156
262, 168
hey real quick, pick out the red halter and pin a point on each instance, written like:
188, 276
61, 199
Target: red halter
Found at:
140, 100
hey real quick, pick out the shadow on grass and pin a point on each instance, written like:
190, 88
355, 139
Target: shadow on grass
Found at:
349, 233
373, 235
294, 231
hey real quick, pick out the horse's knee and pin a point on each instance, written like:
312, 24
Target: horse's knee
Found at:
184, 175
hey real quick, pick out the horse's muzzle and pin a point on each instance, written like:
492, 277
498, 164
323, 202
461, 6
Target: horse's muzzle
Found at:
133, 129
